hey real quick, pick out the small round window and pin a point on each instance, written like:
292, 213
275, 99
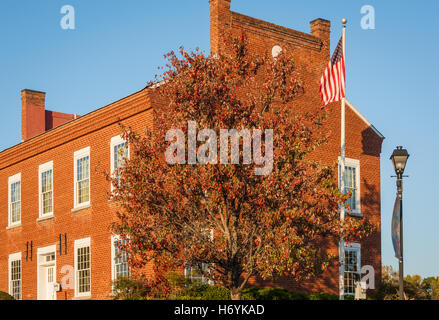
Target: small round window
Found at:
275, 52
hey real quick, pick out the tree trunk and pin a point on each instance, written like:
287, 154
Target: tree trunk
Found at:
235, 294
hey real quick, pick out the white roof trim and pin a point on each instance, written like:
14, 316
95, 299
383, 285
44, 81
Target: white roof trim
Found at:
158, 84
362, 117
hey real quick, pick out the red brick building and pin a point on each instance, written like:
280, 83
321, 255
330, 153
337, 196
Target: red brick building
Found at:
54, 208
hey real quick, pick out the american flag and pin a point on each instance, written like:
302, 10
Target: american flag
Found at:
332, 84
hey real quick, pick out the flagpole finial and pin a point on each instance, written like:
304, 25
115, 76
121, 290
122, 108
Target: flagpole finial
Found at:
344, 21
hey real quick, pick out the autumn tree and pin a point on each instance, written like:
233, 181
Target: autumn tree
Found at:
225, 220
431, 285
415, 287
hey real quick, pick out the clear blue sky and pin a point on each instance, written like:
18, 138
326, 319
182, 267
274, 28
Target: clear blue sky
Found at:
118, 45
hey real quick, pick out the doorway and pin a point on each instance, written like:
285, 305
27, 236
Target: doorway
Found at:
46, 273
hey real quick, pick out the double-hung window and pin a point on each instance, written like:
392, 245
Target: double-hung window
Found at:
45, 173
120, 267
352, 267
352, 184
119, 153
82, 177
82, 268
14, 200
15, 275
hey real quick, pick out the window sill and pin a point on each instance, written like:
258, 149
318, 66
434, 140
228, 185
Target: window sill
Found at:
13, 226
355, 214
40, 219
81, 208
82, 298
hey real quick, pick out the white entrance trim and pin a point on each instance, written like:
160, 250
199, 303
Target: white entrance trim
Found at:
42, 264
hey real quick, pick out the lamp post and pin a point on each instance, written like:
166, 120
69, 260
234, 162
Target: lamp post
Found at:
399, 160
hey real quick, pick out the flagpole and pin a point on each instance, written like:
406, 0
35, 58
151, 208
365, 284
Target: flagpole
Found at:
342, 171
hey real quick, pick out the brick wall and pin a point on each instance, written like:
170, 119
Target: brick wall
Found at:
95, 131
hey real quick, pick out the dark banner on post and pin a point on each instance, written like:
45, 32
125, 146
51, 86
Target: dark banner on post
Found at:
396, 222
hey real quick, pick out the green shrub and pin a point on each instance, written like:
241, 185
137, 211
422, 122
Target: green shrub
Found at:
177, 297
216, 293
203, 292
5, 296
322, 296
283, 294
208, 292
271, 294
129, 289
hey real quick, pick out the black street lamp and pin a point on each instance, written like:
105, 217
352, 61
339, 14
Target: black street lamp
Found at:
399, 160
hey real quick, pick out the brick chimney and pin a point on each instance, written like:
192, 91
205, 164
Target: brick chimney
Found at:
220, 20
321, 28
35, 119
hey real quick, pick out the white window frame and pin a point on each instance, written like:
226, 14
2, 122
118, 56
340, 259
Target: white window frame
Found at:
115, 141
113, 257
15, 257
13, 179
353, 163
76, 156
81, 243
42, 169
357, 248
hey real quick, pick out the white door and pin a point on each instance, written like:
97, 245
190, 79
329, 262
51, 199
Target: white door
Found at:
46, 273
50, 281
